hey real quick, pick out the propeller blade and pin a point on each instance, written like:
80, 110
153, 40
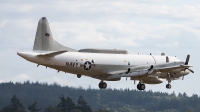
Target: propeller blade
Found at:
182, 77
187, 59
190, 70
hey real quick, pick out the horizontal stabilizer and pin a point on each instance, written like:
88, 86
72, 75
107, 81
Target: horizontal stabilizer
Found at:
52, 54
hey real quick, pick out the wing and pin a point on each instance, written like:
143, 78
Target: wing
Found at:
173, 67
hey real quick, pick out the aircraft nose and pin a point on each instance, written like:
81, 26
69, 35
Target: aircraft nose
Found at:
19, 53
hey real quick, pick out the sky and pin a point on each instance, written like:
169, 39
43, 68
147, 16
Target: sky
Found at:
139, 26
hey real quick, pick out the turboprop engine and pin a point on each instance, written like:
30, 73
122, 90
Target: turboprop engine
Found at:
173, 75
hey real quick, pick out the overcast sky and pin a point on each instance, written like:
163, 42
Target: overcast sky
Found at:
139, 26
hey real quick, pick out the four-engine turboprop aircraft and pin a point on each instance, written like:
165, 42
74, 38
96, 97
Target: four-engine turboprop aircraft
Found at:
104, 64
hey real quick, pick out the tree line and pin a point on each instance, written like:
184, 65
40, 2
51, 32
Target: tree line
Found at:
65, 105
44, 96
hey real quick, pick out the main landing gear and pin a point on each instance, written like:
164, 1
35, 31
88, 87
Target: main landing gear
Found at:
102, 85
140, 86
168, 86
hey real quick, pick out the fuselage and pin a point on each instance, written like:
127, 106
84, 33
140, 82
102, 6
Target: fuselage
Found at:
98, 63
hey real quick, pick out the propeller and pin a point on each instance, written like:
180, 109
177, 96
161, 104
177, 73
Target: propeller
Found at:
186, 63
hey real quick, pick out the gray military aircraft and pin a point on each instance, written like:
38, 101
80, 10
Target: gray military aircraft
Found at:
104, 64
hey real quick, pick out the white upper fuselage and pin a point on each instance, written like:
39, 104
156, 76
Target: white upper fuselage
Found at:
73, 62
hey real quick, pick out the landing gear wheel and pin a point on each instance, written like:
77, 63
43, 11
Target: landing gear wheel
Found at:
102, 85
138, 86
141, 86
168, 86
79, 75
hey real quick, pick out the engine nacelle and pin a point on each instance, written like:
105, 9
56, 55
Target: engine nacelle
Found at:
101, 77
149, 80
152, 80
173, 75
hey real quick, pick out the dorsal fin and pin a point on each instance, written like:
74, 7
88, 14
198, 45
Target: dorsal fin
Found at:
44, 40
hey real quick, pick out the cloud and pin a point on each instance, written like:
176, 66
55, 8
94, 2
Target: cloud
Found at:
171, 45
136, 25
16, 7
114, 33
2, 24
131, 8
21, 78
88, 8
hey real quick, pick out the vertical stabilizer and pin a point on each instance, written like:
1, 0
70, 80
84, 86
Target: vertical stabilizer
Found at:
44, 40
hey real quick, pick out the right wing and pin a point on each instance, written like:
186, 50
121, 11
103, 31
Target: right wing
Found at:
146, 70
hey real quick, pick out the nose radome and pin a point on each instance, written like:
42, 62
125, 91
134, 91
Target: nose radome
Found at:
19, 53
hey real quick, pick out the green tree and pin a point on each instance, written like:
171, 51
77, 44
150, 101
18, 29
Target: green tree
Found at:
6, 109
66, 104
51, 109
70, 104
16, 105
82, 105
63, 104
33, 108
102, 110
75, 110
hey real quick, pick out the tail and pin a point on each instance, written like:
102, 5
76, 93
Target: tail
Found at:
44, 39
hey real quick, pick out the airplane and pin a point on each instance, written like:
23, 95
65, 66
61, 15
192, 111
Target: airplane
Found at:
104, 64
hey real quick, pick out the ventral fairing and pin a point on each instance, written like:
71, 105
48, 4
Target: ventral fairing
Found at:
104, 64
